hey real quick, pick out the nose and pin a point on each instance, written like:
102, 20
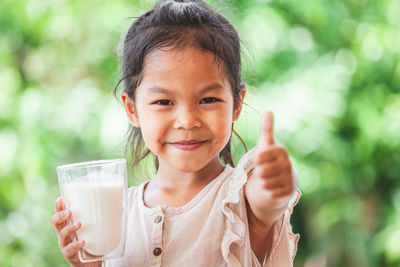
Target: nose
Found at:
187, 118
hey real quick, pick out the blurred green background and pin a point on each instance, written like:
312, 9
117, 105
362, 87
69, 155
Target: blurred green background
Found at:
329, 70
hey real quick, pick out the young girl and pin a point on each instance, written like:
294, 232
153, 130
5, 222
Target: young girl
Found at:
182, 93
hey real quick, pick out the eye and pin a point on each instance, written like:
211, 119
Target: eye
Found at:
209, 100
163, 102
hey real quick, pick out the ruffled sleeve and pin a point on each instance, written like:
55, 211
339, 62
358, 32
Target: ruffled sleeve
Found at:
236, 248
234, 211
284, 240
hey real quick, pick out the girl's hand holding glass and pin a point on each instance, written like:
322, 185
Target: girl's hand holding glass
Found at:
66, 232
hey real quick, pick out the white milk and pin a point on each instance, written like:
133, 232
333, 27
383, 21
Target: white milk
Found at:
98, 205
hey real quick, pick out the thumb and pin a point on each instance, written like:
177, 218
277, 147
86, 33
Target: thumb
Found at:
266, 138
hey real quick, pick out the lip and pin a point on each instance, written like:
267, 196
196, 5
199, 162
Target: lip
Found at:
189, 145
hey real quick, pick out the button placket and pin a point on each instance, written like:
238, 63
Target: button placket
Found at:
156, 248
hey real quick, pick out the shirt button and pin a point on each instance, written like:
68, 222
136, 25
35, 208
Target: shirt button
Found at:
157, 219
157, 251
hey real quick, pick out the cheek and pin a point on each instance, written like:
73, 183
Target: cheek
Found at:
151, 127
152, 135
222, 125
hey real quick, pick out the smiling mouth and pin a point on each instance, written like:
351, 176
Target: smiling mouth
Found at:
188, 145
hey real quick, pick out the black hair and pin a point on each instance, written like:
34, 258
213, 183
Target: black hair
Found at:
176, 24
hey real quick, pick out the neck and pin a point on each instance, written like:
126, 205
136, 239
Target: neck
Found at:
172, 179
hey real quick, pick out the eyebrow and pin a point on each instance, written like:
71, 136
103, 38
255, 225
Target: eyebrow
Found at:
212, 87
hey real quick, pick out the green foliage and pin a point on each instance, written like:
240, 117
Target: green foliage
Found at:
329, 70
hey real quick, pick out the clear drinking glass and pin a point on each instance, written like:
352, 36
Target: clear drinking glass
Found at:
96, 192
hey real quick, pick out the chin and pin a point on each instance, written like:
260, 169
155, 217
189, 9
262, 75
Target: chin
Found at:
188, 167
189, 164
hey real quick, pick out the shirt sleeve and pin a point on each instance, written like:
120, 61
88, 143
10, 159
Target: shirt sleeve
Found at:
236, 249
284, 246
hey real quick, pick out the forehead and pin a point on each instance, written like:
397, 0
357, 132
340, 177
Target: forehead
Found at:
184, 66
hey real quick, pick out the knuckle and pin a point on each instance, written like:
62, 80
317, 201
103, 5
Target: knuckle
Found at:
278, 147
261, 157
271, 183
61, 214
265, 171
288, 189
283, 151
275, 184
280, 150
260, 154
61, 236
66, 252
287, 165
267, 183
57, 218
291, 189
71, 249
281, 186
65, 232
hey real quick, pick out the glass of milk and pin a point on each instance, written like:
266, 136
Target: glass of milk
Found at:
95, 192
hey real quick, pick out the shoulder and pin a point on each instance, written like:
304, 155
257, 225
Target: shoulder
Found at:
238, 175
132, 191
247, 161
135, 191
243, 170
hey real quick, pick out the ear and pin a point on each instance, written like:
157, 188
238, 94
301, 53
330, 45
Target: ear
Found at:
130, 110
239, 103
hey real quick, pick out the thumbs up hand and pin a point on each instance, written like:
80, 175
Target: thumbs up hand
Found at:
272, 181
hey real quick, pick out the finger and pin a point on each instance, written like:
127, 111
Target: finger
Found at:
271, 154
266, 138
274, 168
268, 170
59, 219
283, 192
72, 249
59, 206
67, 233
276, 182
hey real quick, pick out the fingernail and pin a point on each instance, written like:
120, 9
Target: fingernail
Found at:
66, 213
76, 225
80, 242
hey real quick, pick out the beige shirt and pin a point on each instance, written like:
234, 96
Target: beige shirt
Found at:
209, 230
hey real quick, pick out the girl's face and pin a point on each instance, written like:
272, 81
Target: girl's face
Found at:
184, 107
